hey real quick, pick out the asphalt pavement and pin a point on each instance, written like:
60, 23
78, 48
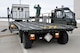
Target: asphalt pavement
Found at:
10, 43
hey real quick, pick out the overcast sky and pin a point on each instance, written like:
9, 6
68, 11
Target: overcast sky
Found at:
46, 5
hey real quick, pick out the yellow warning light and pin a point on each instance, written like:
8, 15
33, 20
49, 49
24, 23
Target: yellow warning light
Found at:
45, 27
50, 27
55, 27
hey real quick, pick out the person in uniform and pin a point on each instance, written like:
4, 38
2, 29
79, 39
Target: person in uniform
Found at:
38, 11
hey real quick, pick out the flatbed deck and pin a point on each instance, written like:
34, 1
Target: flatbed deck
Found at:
38, 26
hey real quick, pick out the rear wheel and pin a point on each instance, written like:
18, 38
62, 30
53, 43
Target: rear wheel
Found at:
63, 37
26, 41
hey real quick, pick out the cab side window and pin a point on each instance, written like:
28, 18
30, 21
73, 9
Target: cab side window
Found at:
59, 14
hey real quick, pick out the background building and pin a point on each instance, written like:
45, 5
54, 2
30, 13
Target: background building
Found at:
77, 8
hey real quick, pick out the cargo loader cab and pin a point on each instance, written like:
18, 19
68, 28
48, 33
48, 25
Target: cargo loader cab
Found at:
63, 16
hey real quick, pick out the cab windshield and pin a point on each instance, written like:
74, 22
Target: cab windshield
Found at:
68, 14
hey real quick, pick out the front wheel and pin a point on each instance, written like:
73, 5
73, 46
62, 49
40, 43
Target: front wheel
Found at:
63, 37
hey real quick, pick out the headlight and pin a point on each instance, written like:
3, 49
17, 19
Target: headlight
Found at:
13, 26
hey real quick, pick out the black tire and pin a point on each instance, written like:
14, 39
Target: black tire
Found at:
26, 41
63, 37
21, 36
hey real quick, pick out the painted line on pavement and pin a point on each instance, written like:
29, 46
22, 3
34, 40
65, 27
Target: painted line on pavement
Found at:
1, 36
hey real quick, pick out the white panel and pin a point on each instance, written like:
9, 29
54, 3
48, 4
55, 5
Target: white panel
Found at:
14, 14
18, 14
26, 9
21, 14
26, 14
15, 9
20, 5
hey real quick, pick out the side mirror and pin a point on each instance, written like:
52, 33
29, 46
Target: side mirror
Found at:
74, 14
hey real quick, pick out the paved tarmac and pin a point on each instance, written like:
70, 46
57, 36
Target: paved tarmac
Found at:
10, 43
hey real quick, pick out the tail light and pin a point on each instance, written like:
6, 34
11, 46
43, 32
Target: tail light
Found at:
56, 35
32, 36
